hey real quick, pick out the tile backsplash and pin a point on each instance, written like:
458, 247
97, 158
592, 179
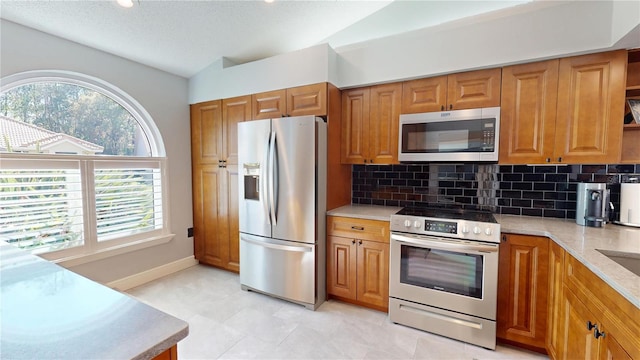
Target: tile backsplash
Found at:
534, 190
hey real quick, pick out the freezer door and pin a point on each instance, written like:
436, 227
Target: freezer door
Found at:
280, 268
253, 150
294, 186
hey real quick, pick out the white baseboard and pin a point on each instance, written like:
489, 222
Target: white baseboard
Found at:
144, 277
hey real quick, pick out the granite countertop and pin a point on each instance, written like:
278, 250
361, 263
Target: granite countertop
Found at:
49, 312
372, 212
582, 243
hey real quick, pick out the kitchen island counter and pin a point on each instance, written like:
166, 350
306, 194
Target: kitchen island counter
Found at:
583, 243
49, 312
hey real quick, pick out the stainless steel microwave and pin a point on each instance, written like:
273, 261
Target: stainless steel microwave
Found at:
459, 135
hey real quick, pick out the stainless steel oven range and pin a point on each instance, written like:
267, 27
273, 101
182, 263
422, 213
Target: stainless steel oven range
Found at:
443, 272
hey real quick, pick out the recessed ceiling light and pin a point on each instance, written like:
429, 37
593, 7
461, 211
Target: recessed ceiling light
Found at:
125, 3
268, 1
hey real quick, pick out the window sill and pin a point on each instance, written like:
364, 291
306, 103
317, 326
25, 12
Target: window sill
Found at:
111, 251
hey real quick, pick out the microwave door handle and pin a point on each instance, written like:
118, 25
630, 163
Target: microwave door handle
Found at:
444, 245
273, 178
264, 181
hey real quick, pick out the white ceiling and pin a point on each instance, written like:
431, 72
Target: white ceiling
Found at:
183, 37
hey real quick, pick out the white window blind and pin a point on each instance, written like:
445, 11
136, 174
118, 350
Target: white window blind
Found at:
78, 204
128, 198
41, 207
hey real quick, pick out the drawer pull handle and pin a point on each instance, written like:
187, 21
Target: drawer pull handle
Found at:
360, 228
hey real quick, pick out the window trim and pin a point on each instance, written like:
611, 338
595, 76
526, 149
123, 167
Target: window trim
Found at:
91, 250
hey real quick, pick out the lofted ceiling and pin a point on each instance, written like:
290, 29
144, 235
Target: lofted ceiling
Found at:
183, 37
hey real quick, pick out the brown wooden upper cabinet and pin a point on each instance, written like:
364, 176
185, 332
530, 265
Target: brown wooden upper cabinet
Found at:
370, 119
297, 101
206, 132
563, 111
467, 90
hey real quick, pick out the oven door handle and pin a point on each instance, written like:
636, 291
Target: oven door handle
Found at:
444, 244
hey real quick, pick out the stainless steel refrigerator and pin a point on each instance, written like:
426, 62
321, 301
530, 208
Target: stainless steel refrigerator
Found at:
282, 187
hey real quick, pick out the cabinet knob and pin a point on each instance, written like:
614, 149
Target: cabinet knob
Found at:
591, 325
360, 243
560, 159
597, 334
353, 241
548, 159
441, 107
450, 106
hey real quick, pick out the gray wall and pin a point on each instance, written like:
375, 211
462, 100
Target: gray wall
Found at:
533, 31
163, 95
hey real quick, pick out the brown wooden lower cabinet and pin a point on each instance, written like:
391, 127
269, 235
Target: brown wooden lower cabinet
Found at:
550, 302
556, 271
216, 228
169, 354
358, 267
523, 290
596, 322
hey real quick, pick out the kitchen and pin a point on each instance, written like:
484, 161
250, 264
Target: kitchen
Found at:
105, 271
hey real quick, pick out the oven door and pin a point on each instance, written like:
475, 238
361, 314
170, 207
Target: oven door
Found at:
457, 275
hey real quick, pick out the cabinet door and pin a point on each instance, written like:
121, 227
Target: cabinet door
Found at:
373, 273
578, 341
591, 92
556, 266
523, 289
473, 89
206, 132
210, 231
355, 126
307, 100
384, 117
528, 112
424, 95
231, 243
269, 105
341, 267
610, 349
234, 110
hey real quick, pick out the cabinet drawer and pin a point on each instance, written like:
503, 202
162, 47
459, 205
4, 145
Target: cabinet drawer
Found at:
364, 229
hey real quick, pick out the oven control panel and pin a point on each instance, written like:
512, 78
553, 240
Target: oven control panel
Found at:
461, 229
441, 226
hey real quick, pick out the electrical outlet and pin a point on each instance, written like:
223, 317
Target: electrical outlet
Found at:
190, 232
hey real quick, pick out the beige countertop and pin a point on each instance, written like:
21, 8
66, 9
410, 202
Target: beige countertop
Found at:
372, 212
581, 242
49, 312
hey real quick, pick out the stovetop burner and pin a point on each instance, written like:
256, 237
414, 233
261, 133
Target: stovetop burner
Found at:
449, 213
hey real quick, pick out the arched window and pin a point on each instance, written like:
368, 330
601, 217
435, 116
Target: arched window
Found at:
81, 166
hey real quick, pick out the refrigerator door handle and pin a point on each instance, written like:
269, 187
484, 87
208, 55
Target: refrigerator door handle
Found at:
264, 182
263, 243
273, 179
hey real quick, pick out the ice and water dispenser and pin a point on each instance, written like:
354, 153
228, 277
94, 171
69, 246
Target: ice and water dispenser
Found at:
251, 181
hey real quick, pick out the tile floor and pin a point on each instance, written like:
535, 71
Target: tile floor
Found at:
228, 323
